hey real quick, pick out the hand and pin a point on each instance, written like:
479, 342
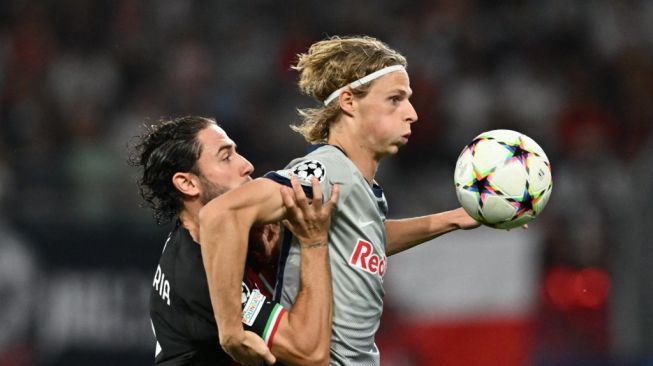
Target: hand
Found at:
250, 349
466, 222
271, 234
463, 220
308, 221
263, 242
525, 226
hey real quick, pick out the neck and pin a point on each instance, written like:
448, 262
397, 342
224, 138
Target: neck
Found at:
189, 217
364, 159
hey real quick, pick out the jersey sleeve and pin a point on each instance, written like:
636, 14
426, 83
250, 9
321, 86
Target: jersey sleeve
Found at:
262, 316
328, 170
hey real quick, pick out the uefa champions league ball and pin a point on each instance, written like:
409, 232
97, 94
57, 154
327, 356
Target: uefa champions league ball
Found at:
503, 179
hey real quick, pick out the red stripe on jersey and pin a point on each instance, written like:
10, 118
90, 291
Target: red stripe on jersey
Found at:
276, 326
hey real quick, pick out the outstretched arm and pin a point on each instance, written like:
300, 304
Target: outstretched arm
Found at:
406, 233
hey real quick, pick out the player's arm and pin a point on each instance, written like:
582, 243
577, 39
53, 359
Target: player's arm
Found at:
304, 333
225, 223
406, 233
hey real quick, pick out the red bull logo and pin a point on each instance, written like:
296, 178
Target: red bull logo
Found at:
364, 258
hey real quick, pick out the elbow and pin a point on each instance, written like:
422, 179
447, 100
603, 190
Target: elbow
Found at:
212, 215
209, 213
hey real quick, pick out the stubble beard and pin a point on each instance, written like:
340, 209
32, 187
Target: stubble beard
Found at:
210, 190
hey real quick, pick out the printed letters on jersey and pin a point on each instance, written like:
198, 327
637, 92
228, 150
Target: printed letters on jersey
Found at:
180, 306
253, 307
364, 258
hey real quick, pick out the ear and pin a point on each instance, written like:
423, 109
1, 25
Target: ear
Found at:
346, 101
186, 183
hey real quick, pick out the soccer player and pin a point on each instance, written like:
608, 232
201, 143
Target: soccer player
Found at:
186, 162
364, 115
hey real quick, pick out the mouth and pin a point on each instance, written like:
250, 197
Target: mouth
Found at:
405, 137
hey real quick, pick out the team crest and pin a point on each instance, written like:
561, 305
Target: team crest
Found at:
304, 171
307, 169
244, 293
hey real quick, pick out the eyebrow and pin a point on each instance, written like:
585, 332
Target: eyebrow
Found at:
402, 92
227, 146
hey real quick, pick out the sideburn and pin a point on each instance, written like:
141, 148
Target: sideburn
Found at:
210, 190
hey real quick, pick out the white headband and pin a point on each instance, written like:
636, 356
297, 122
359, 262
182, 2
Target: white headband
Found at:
364, 80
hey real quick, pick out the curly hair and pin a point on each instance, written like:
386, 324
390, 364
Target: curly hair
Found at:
331, 64
164, 149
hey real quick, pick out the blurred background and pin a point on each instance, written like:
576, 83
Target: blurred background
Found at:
78, 79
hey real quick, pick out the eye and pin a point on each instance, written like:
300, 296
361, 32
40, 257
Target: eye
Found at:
227, 157
395, 99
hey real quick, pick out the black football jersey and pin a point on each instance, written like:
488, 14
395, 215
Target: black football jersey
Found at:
180, 306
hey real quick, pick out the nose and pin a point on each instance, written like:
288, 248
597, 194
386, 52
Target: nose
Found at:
248, 168
411, 116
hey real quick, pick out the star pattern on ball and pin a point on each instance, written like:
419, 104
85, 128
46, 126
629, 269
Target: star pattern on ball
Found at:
472, 145
527, 202
481, 186
518, 152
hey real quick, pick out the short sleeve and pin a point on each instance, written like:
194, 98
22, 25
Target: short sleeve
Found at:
328, 170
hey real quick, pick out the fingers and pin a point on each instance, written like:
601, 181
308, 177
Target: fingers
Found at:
300, 197
274, 233
262, 350
317, 193
296, 200
288, 198
270, 234
293, 212
269, 358
335, 194
256, 349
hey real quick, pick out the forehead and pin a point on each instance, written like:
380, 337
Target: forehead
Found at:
213, 137
394, 80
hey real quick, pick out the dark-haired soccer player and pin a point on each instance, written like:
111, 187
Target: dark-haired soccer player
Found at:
185, 163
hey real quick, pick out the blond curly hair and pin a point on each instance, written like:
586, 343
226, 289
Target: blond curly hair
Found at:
331, 64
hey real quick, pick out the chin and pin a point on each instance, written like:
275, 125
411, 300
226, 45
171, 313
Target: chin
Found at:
392, 150
397, 145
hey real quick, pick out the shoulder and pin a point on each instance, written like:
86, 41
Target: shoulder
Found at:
326, 163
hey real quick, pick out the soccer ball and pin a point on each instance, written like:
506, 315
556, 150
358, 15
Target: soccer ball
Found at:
503, 179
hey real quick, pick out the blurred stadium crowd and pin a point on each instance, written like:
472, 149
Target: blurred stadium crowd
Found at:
79, 78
